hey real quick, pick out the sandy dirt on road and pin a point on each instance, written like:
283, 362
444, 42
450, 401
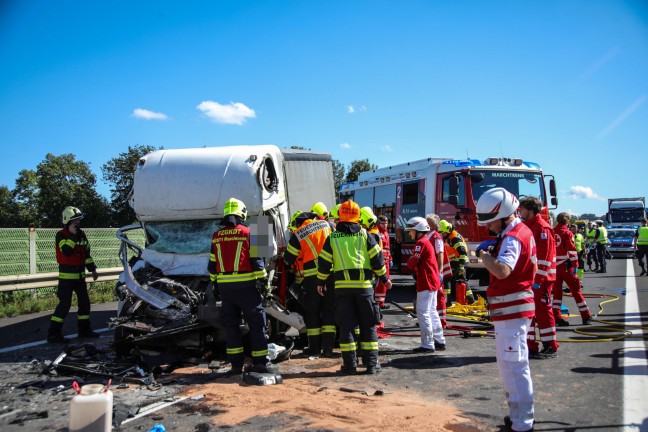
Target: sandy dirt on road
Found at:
314, 400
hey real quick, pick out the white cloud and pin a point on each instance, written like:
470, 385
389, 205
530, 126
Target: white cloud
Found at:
148, 115
583, 192
234, 113
345, 145
387, 148
350, 109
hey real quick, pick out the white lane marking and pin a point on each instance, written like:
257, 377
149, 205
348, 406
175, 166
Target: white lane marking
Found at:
635, 365
41, 342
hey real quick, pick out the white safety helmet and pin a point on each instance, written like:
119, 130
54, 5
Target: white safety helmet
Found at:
418, 224
494, 204
600, 222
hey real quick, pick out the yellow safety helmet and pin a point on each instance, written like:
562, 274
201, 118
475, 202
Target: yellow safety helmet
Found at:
235, 207
367, 217
335, 211
349, 212
320, 209
293, 219
445, 227
71, 213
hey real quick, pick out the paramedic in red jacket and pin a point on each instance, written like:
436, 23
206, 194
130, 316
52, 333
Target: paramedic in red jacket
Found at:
566, 269
545, 277
381, 289
510, 260
443, 263
424, 264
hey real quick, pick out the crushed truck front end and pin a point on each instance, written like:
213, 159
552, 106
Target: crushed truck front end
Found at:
168, 310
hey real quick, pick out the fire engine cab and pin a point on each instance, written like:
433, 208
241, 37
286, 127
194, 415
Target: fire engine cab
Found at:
449, 188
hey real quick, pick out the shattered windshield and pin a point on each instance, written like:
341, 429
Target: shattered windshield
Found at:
184, 237
519, 183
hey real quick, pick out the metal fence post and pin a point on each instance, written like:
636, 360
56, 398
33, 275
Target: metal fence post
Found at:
32, 250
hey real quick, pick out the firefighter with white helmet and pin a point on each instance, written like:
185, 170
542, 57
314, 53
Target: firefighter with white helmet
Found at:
242, 281
601, 241
424, 263
73, 258
510, 259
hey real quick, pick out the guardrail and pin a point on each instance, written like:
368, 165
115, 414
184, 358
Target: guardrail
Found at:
44, 280
28, 257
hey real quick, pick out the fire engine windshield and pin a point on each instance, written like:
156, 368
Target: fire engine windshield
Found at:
519, 183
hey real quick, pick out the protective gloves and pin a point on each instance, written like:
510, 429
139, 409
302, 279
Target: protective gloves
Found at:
486, 245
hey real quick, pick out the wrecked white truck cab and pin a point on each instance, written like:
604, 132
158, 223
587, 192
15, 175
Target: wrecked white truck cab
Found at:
167, 303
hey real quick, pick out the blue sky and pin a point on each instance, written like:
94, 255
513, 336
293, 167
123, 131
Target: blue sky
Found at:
561, 83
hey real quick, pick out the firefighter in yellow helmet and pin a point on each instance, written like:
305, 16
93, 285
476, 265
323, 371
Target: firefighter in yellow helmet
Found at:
302, 252
458, 254
241, 280
73, 258
351, 258
320, 209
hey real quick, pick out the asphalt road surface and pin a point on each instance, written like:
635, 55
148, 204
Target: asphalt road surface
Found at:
595, 383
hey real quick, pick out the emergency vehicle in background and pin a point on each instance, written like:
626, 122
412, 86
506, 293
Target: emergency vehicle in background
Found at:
626, 212
449, 188
168, 308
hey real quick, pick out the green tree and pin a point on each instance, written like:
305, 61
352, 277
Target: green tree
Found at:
588, 216
8, 210
338, 176
25, 198
358, 166
63, 181
119, 172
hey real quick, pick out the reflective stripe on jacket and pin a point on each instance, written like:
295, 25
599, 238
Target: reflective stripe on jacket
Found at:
512, 297
73, 254
230, 261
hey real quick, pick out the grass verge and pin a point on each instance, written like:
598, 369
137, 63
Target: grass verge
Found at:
44, 299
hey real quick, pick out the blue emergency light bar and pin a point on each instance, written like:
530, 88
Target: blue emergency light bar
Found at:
462, 163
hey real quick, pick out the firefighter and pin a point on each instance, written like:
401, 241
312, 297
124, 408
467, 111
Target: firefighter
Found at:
458, 255
321, 210
335, 212
369, 222
591, 246
601, 240
510, 261
73, 258
566, 269
579, 243
353, 258
443, 265
381, 289
544, 280
428, 284
641, 246
242, 282
303, 249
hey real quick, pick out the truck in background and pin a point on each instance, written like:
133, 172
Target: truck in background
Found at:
626, 212
168, 308
449, 188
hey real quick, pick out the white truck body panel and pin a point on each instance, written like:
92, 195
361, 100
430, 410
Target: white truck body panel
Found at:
192, 184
